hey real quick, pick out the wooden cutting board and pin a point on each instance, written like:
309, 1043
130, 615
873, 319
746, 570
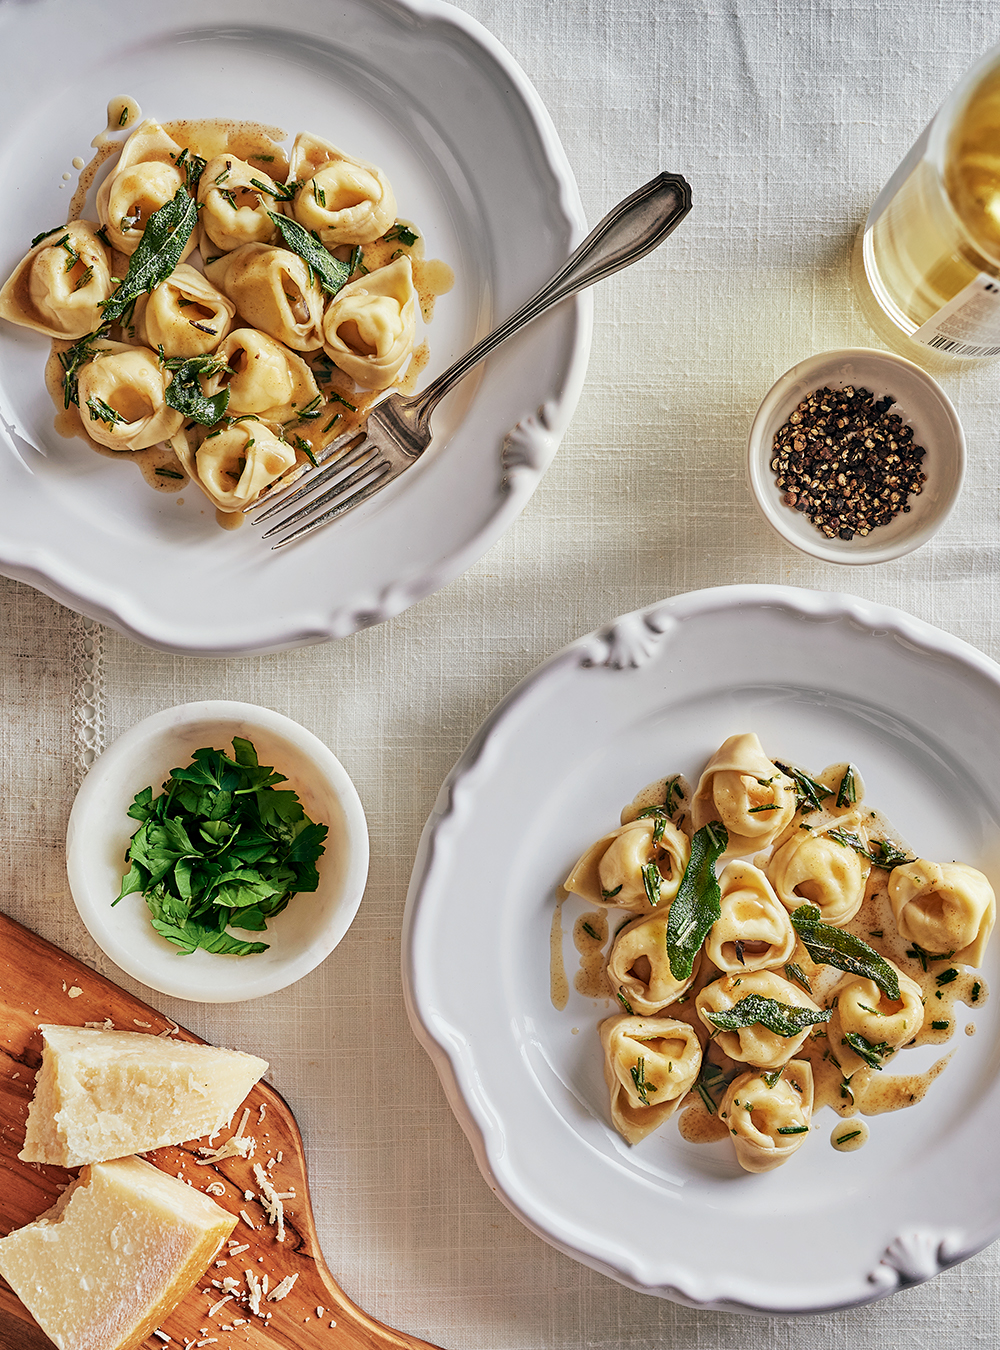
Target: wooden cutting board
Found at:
39, 983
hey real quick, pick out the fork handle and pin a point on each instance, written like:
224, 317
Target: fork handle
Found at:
627, 233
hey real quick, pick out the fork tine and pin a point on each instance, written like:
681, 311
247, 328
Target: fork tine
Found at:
363, 494
315, 479
373, 463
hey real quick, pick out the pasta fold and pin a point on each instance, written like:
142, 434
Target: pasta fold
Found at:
235, 465
274, 291
650, 1063
743, 789
886, 1024
369, 326
753, 930
768, 1121
626, 870
639, 967
145, 178
59, 286
944, 907
812, 867
344, 200
234, 210
122, 395
755, 1044
185, 315
265, 378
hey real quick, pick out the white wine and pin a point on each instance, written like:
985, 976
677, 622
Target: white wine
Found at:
929, 254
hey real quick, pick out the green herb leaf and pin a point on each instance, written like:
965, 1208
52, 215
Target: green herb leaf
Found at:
163, 241
696, 906
793, 1129
185, 394
639, 1080
711, 1086
847, 793
620, 995
810, 795
651, 880
829, 946
882, 853
45, 234
103, 411
220, 845
403, 233
73, 359
870, 1053
331, 273
796, 973
781, 1018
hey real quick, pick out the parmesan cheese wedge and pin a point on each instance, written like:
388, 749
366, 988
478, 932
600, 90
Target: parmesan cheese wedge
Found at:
104, 1094
116, 1253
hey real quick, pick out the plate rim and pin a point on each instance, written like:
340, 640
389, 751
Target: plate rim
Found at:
523, 452
627, 643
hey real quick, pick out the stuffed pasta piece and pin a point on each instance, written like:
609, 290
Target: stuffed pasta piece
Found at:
946, 908
639, 966
650, 1063
636, 867
147, 176
343, 200
59, 286
813, 867
744, 790
234, 466
760, 1018
769, 1114
264, 377
235, 199
185, 315
122, 394
274, 291
753, 930
369, 326
868, 1026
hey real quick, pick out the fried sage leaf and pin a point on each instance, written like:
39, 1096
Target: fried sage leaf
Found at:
696, 906
829, 946
185, 394
781, 1018
871, 1054
163, 241
331, 273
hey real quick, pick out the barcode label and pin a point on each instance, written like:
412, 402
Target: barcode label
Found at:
969, 324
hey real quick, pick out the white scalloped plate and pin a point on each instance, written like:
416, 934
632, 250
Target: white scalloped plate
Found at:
413, 85
820, 678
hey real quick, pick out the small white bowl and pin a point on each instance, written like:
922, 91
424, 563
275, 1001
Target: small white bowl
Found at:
922, 404
99, 832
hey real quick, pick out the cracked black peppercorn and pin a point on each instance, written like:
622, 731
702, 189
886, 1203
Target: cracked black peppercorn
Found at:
847, 462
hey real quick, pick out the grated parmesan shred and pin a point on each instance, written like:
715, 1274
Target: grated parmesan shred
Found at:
283, 1289
271, 1201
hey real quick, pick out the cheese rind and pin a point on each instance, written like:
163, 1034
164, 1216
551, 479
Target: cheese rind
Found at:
105, 1094
114, 1256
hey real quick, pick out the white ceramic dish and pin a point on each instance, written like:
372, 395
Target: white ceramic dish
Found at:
99, 830
922, 404
419, 88
820, 678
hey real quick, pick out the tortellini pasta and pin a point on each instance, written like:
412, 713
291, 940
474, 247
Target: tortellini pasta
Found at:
626, 870
755, 1044
769, 1118
746, 792
185, 315
344, 200
235, 199
639, 966
123, 398
274, 291
235, 465
146, 177
811, 867
886, 1024
263, 377
649, 1065
369, 326
753, 931
945, 907
59, 286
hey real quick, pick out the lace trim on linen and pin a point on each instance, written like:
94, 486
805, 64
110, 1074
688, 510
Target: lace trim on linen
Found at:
87, 654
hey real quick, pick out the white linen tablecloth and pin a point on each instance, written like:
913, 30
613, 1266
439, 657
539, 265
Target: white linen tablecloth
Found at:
786, 118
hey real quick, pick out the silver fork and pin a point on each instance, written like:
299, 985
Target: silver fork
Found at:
398, 428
